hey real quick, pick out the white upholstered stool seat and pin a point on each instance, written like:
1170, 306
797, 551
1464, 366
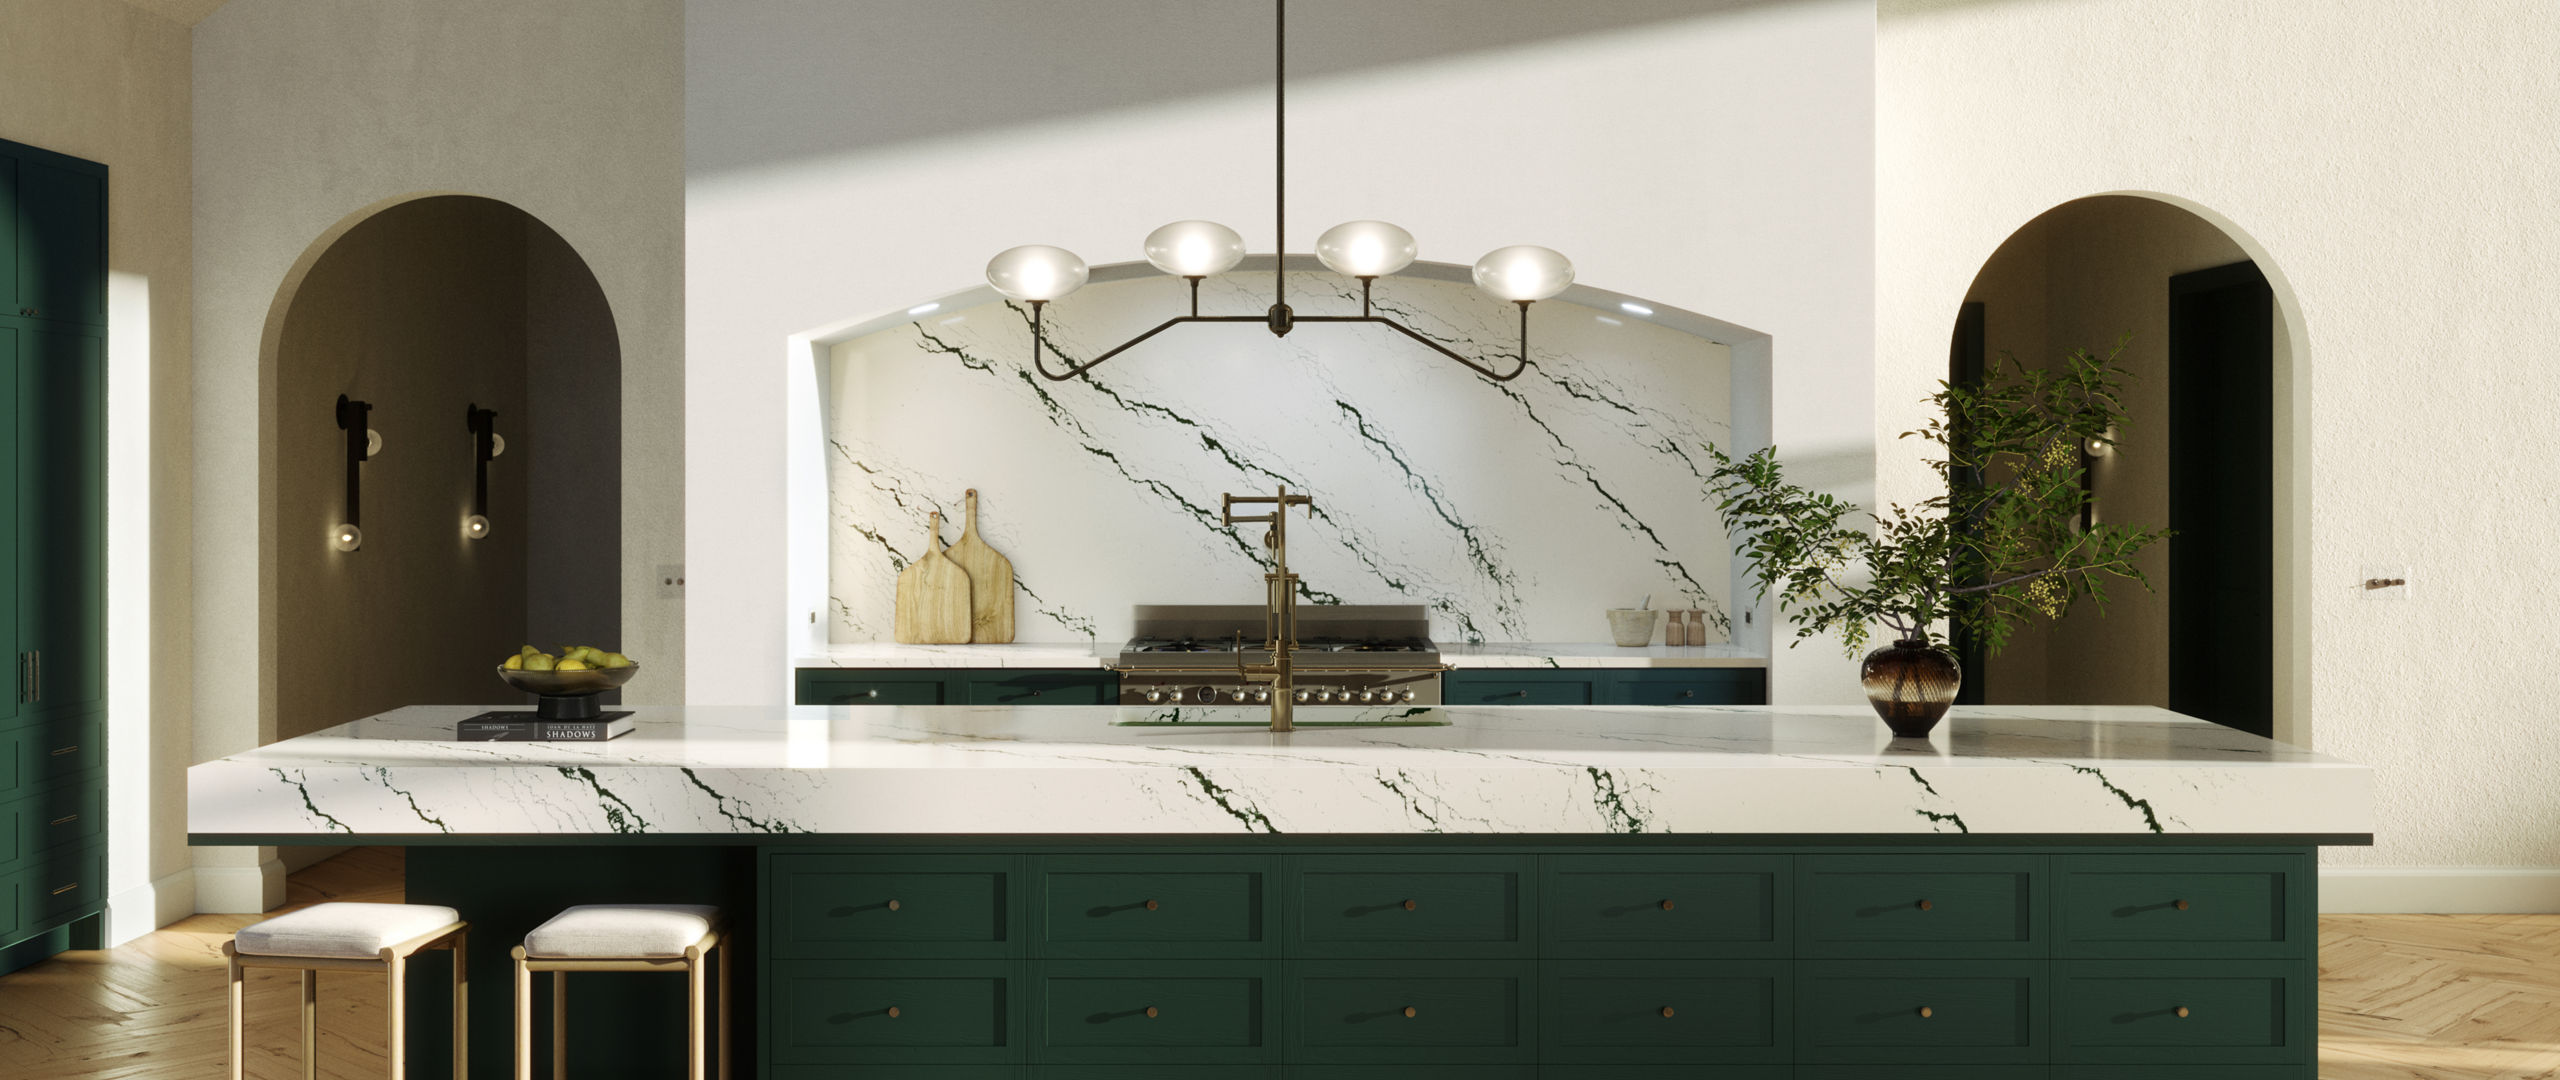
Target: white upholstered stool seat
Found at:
356, 931
612, 930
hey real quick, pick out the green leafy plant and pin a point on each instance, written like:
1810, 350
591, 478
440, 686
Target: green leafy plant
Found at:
2005, 542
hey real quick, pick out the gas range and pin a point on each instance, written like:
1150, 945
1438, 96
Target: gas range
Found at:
1347, 654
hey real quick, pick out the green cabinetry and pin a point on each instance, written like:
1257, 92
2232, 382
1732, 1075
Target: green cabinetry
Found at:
948, 686
1607, 686
1087, 957
53, 591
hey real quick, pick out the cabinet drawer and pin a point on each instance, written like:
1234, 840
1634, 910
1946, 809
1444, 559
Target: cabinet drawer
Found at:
1106, 907
1134, 1013
1043, 688
64, 881
65, 815
1645, 906
63, 746
1443, 1013
2169, 1011
2177, 905
1987, 1012
1689, 686
891, 905
1621, 1011
1560, 688
1919, 905
955, 1011
1390, 906
817, 686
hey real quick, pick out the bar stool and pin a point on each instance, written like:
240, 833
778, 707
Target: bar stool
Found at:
352, 937
621, 937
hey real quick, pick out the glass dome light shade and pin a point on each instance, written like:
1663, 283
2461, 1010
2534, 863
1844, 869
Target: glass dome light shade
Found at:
1365, 248
1523, 272
1036, 272
1195, 248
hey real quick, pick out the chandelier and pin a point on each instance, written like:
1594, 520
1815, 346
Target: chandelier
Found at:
1191, 250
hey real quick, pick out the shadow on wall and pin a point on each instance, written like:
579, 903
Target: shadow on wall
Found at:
425, 309
825, 80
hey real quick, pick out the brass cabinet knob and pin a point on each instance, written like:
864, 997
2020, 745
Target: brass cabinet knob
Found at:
893, 905
1151, 1012
871, 693
1666, 1012
1926, 1012
2179, 904
1666, 905
1151, 905
1408, 905
2182, 1012
66, 819
1925, 905
1408, 1012
893, 1012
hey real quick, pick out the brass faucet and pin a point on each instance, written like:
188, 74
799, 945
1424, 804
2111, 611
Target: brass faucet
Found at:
1280, 609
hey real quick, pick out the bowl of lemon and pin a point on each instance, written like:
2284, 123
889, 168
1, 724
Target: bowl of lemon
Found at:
567, 682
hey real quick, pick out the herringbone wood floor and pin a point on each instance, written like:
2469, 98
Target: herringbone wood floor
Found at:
2402, 997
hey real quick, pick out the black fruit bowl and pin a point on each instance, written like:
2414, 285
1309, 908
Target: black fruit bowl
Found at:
567, 695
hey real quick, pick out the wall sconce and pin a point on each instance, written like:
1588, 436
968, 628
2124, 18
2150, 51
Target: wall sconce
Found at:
485, 444
355, 418
2093, 449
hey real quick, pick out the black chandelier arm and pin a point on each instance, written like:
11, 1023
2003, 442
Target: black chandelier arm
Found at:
1520, 364
1039, 350
1040, 359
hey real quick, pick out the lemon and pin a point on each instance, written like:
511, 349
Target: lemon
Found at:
514, 663
572, 665
538, 662
614, 660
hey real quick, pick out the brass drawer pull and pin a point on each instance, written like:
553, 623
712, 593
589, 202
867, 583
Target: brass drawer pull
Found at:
1409, 905
1151, 905
71, 749
1151, 1012
1926, 906
893, 1012
1666, 1012
1666, 905
65, 819
1926, 1012
893, 905
2182, 1012
66, 888
2179, 904
1408, 1012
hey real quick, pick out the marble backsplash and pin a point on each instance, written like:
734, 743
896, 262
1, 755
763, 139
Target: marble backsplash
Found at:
1515, 511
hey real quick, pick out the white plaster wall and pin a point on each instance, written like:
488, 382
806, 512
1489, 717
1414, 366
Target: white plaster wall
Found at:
843, 162
108, 83
310, 112
2393, 168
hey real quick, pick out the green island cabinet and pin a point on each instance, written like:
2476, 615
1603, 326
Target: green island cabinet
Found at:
1466, 686
1079, 959
52, 726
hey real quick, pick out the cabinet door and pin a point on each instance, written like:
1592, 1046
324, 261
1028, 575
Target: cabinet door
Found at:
9, 236
1690, 686
61, 241
1522, 688
1041, 687
826, 686
61, 505
14, 342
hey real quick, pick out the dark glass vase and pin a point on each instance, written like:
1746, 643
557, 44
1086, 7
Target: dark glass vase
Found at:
1911, 683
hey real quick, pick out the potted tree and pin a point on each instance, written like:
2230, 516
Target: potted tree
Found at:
2011, 538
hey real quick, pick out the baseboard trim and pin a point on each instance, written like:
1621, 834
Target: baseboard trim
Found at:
240, 890
2439, 890
143, 909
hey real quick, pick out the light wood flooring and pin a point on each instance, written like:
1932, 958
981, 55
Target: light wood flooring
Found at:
2402, 997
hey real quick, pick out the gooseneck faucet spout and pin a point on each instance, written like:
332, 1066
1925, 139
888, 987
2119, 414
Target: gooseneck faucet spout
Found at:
1280, 600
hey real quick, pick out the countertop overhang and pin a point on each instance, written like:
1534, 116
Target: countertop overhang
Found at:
1490, 655
750, 772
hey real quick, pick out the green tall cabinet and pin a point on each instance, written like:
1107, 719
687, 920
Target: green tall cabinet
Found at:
53, 338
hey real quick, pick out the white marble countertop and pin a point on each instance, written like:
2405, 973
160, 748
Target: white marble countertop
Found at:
1513, 654
888, 770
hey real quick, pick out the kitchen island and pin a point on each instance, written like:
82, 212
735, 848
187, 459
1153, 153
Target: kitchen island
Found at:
1069, 891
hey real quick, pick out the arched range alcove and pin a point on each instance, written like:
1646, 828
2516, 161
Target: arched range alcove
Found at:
427, 307
2210, 336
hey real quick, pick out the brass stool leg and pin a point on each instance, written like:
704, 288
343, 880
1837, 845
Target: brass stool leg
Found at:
524, 1017
723, 949
693, 989
310, 1024
559, 1025
397, 1048
234, 993
461, 1006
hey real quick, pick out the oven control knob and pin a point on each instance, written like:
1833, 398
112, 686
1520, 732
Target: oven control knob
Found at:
1368, 695
1239, 695
1155, 697
1304, 697
1323, 696
1406, 697
1261, 696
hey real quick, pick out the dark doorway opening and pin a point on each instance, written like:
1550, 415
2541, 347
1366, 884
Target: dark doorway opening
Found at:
1964, 369
2222, 497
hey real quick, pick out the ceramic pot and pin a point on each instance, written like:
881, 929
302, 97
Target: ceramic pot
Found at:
1911, 683
1633, 627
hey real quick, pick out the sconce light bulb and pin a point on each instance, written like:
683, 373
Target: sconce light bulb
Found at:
475, 527
346, 537
497, 444
372, 442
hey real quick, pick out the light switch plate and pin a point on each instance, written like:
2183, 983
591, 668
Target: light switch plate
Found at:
2383, 581
670, 581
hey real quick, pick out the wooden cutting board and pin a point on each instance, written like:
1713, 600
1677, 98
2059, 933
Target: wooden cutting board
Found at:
990, 582
933, 596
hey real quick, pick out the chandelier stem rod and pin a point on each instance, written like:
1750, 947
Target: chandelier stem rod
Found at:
1279, 151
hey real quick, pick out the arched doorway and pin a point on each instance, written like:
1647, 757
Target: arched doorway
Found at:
2209, 451
426, 308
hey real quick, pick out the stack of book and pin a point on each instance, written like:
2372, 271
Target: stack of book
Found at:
524, 726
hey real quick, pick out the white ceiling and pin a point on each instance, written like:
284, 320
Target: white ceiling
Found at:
182, 12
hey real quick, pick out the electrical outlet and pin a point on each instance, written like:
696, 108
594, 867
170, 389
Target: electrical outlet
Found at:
671, 582
2383, 581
